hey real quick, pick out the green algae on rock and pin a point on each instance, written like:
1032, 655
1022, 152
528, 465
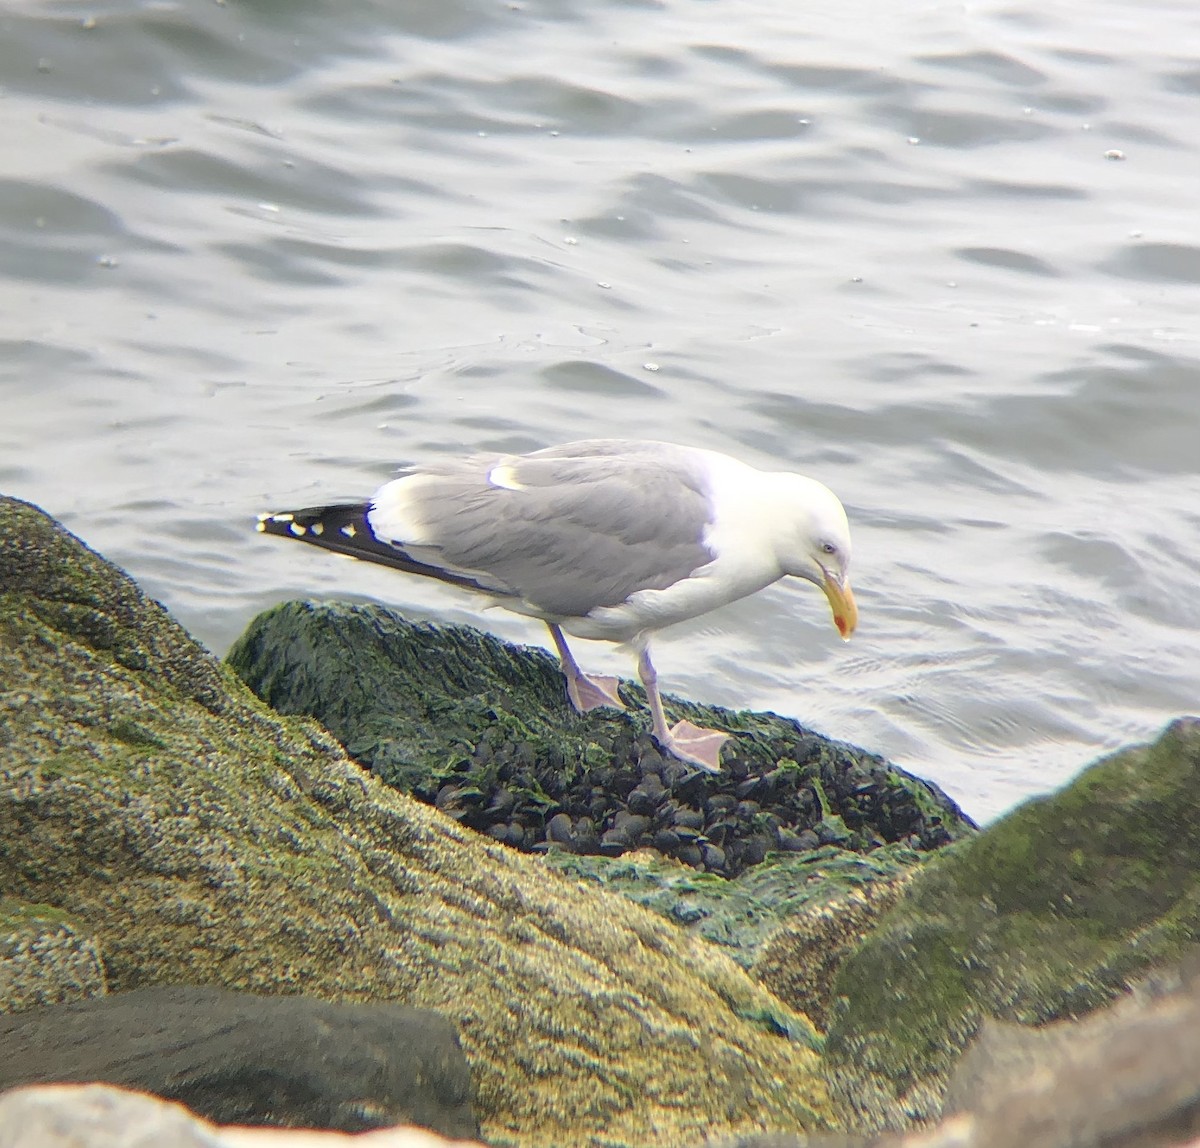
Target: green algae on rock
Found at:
207, 840
482, 729
742, 914
789, 922
1045, 915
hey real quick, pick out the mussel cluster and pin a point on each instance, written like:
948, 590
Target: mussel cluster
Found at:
720, 823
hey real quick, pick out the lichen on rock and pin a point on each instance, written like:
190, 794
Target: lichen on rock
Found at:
46, 958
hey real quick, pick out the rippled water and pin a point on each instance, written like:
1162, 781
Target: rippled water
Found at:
944, 257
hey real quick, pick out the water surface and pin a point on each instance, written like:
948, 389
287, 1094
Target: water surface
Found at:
944, 257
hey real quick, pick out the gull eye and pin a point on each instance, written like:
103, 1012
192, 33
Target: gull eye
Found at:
828, 548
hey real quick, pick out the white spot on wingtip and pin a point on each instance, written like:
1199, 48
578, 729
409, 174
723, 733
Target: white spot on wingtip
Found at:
298, 530
285, 517
504, 477
318, 528
348, 530
261, 524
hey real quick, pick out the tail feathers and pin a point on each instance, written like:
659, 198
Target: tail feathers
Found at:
344, 529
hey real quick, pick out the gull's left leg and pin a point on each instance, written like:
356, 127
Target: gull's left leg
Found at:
586, 692
688, 742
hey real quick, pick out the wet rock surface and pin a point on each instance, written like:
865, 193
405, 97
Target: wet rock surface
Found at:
481, 730
749, 916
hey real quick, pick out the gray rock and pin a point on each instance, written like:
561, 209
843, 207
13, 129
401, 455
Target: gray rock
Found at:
96, 1117
237, 1058
1134, 1064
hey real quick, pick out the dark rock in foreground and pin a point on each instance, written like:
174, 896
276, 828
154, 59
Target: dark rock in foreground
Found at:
235, 1058
1048, 914
482, 730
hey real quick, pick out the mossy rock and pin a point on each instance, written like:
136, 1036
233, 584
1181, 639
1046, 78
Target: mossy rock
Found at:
207, 840
1046, 915
482, 729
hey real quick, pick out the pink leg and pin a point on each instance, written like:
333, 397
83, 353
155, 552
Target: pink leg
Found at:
586, 693
688, 742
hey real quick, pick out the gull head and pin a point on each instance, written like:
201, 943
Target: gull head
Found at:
815, 544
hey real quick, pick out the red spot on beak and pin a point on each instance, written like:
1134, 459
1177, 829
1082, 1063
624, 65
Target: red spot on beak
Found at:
843, 606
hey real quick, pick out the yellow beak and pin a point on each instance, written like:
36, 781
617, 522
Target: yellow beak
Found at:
841, 601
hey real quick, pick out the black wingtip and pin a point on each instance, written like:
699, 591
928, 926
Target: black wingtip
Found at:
341, 527
344, 528
322, 525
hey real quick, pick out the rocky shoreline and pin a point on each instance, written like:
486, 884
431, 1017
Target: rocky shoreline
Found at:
610, 951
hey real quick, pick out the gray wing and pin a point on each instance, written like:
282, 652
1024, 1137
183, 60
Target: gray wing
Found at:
569, 528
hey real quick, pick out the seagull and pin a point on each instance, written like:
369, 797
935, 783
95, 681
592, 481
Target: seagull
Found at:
609, 539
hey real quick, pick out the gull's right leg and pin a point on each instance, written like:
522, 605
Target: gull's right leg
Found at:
684, 740
586, 692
